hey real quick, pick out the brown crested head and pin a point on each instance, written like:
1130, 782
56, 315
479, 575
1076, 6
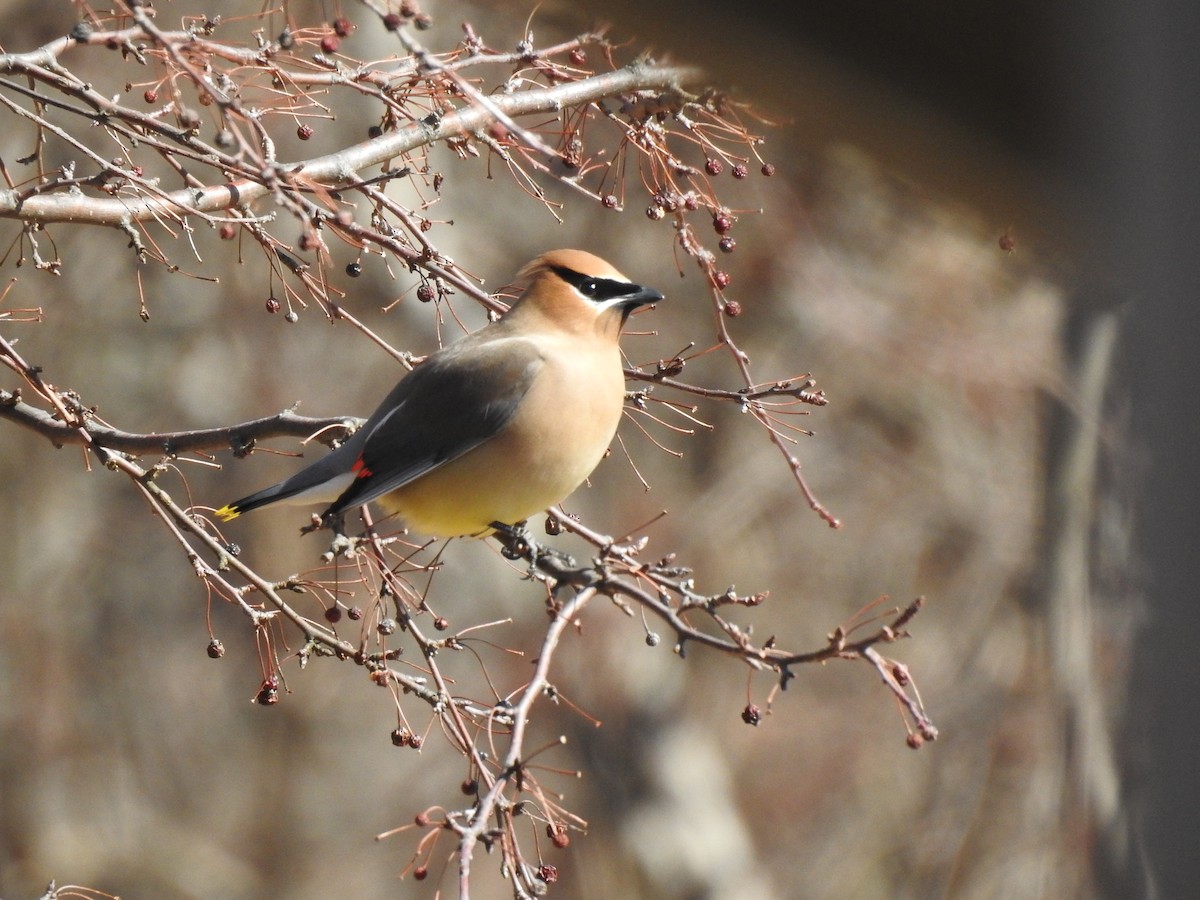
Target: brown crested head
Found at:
578, 291
574, 260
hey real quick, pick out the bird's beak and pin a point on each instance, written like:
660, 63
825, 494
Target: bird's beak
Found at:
640, 296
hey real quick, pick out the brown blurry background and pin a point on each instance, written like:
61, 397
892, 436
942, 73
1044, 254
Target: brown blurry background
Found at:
996, 421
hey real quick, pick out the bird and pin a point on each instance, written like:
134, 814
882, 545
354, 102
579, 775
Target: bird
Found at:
495, 427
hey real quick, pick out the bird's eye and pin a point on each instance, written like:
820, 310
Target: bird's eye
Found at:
589, 288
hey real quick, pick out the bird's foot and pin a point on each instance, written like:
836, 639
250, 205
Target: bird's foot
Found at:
517, 543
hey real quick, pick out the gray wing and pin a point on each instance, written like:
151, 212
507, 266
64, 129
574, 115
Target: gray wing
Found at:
453, 402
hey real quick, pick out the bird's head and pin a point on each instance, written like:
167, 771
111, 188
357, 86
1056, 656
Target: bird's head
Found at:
578, 291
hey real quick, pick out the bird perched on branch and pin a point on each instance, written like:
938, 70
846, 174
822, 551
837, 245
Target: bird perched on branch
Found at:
497, 426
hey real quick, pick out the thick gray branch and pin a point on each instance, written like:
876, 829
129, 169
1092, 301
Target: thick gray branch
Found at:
339, 168
284, 424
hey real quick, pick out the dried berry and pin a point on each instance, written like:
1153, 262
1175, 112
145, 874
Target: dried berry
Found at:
713, 166
609, 201
768, 169
751, 715
727, 244
333, 615
151, 95
578, 57
227, 232
354, 269
392, 21
343, 27
215, 649
286, 39
304, 131
425, 292
740, 171
721, 279
722, 222
268, 693
732, 308
272, 305
330, 43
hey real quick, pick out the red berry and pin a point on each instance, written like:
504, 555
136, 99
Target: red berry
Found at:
740, 171
151, 95
609, 201
330, 43
713, 166
733, 309
227, 231
420, 873
721, 279
557, 832
343, 27
272, 305
751, 715
392, 21
768, 169
425, 292
304, 132
578, 57
333, 614
722, 222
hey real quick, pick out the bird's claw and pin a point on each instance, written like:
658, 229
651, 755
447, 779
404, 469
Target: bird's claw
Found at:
517, 543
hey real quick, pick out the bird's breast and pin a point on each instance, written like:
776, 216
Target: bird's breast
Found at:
561, 430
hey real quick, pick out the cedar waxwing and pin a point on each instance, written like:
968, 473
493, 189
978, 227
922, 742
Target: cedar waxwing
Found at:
497, 426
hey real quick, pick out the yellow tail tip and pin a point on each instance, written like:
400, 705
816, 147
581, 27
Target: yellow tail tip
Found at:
225, 513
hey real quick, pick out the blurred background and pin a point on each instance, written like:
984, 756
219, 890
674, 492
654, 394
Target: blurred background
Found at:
980, 239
